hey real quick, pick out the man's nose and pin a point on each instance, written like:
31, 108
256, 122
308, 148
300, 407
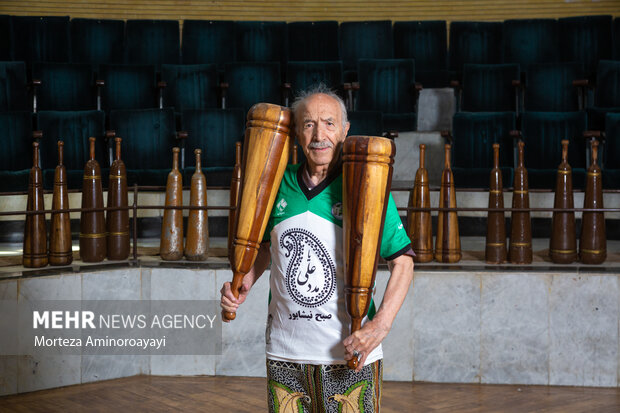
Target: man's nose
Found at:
320, 132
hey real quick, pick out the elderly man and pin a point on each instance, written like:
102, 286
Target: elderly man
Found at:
307, 324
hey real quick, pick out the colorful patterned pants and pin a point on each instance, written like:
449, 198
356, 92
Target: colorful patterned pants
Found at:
309, 388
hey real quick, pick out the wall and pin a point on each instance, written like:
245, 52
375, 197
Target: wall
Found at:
345, 10
462, 326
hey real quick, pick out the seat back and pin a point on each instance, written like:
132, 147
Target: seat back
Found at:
215, 131
386, 85
260, 41
426, 43
585, 39
302, 75
474, 135
549, 87
208, 41
16, 156
13, 87
616, 39
40, 39
596, 117
97, 40
612, 142
611, 152
365, 40
476, 43
148, 137
128, 87
16, 138
5, 38
152, 42
313, 41
65, 86
543, 133
607, 90
251, 83
528, 41
488, 88
366, 123
190, 86
74, 128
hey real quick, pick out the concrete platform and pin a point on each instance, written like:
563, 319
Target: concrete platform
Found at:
462, 323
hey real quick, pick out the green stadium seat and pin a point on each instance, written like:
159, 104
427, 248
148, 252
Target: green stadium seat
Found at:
616, 39
611, 150
152, 42
585, 39
128, 87
490, 88
426, 43
16, 157
313, 41
65, 86
40, 39
527, 41
473, 136
543, 133
388, 86
475, 43
97, 41
261, 41
208, 41
190, 86
148, 138
364, 40
366, 123
549, 87
5, 38
13, 87
215, 131
303, 75
74, 128
606, 93
251, 83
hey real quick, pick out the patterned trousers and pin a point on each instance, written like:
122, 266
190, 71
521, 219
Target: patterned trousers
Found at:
310, 388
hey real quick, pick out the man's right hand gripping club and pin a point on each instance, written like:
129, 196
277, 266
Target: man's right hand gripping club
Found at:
228, 301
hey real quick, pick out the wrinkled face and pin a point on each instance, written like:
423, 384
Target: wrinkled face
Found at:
320, 132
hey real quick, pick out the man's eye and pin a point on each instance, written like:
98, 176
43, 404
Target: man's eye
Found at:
308, 125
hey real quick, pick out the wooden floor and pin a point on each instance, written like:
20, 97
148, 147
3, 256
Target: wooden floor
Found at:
243, 394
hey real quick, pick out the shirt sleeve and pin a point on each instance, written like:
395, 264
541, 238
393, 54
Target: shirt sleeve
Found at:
394, 241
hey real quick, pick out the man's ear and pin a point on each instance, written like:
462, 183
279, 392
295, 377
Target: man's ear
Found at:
346, 128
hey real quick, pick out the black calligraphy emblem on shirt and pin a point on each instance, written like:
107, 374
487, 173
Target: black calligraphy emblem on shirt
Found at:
310, 273
304, 276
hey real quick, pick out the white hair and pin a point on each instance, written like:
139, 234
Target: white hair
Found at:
319, 89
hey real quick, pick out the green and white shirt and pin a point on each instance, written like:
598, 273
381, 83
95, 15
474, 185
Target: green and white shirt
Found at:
307, 319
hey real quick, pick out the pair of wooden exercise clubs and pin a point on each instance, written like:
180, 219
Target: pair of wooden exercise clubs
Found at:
100, 236
563, 242
196, 247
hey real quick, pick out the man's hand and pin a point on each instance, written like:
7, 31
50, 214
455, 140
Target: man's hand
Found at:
374, 331
364, 341
228, 302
